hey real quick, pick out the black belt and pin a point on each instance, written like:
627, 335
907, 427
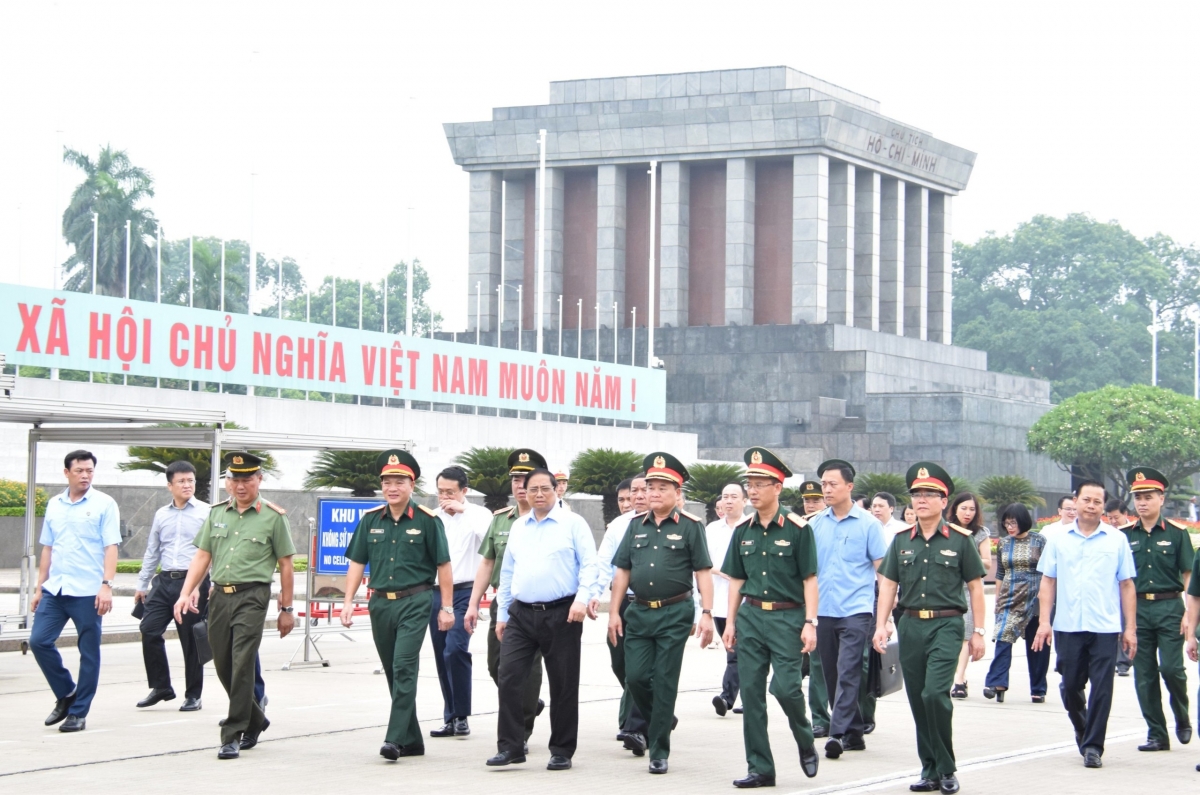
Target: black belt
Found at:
566, 600
1160, 597
773, 605
654, 604
935, 613
406, 592
463, 586
174, 575
241, 586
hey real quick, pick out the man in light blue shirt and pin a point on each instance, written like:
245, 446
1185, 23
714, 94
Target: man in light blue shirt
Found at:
80, 534
850, 546
548, 583
1094, 564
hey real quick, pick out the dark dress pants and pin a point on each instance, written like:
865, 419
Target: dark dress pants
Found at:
159, 614
1088, 657
452, 655
1037, 661
529, 631
730, 685
840, 643
53, 612
533, 687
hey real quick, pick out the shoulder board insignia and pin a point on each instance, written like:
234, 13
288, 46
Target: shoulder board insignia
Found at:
502, 510
373, 510
692, 516
906, 529
222, 502
797, 520
1128, 526
427, 510
276, 508
959, 529
745, 519
1177, 525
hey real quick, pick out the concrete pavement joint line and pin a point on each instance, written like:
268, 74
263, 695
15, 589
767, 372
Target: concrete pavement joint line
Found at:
159, 723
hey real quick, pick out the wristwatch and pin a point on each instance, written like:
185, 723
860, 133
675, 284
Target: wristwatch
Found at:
288, 609
448, 609
706, 612
979, 631
109, 583
812, 621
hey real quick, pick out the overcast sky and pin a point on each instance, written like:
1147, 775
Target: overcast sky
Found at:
336, 108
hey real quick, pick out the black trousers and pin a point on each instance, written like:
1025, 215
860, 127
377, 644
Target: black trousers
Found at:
730, 684
529, 631
1087, 657
159, 614
840, 644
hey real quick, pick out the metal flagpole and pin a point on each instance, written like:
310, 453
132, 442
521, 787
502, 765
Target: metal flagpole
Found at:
222, 275
478, 309
500, 314
307, 317
95, 248
360, 302
128, 231
650, 291
191, 267
633, 339
158, 279
334, 304
597, 331
1154, 343
540, 289
385, 291
560, 325
520, 315
252, 274
579, 325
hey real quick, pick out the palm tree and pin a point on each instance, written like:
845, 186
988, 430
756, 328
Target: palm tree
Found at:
868, 484
112, 188
1004, 490
157, 459
206, 288
357, 470
487, 473
706, 481
600, 471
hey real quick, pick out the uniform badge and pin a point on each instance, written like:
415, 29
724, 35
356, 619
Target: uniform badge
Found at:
1164, 543
660, 462
393, 460
672, 537
1139, 476
503, 533
643, 535
523, 458
220, 525
908, 552
237, 459
922, 472
378, 530
756, 457
950, 553
747, 543
783, 543
412, 531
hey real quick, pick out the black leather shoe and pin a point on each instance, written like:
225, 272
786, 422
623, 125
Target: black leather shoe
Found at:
720, 705
73, 723
948, 784
541, 706
1038, 699
558, 763
229, 751
390, 751
1091, 758
833, 748
674, 722
60, 710
190, 705
868, 728
1184, 733
820, 731
989, 693
853, 742
754, 780
738, 711
412, 750
635, 742
447, 730
925, 785
155, 697
809, 759
250, 739
461, 727
1152, 744
621, 735
658, 766
1122, 671
505, 758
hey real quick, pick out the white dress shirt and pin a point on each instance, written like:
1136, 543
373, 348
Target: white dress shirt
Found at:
170, 541
718, 534
614, 534
464, 534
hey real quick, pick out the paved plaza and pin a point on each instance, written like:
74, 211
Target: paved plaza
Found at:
328, 723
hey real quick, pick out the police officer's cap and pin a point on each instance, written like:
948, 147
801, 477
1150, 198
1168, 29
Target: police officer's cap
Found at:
762, 463
1146, 479
561, 476
835, 462
525, 460
811, 489
664, 466
398, 462
928, 476
240, 464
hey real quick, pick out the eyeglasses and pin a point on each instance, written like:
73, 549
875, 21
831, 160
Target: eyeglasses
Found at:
540, 490
184, 482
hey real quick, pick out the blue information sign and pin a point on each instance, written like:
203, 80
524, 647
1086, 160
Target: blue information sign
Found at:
336, 520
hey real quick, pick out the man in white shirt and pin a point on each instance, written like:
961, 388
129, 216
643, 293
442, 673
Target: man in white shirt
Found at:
883, 508
718, 534
466, 524
1066, 517
561, 481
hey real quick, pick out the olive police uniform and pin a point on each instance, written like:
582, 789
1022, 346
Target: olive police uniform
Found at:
818, 696
403, 555
1163, 556
931, 574
245, 548
494, 543
661, 558
773, 561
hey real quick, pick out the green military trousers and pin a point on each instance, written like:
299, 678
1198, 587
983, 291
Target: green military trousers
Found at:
533, 685
771, 640
818, 695
1160, 652
654, 643
235, 630
929, 650
398, 627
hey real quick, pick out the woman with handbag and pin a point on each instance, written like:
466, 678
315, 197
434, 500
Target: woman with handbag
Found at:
1017, 584
965, 512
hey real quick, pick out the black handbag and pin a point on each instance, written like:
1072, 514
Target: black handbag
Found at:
200, 633
884, 676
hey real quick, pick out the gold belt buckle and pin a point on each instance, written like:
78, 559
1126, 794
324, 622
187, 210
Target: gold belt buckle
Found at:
1151, 596
768, 605
391, 595
924, 614
654, 603
229, 588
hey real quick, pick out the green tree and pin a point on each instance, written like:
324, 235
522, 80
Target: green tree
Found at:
706, 481
1000, 491
12, 499
157, 459
600, 471
487, 473
357, 470
868, 484
1104, 433
319, 305
114, 189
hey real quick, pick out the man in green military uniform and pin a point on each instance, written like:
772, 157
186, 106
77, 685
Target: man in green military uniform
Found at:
818, 697
520, 463
243, 539
1192, 617
406, 548
772, 565
661, 552
1162, 553
930, 563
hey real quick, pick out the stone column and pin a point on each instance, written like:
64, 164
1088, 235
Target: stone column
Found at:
673, 252
514, 248
842, 195
553, 234
916, 263
940, 245
866, 249
610, 237
739, 242
810, 238
484, 241
891, 256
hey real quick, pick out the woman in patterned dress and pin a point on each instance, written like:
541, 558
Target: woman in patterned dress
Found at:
1017, 583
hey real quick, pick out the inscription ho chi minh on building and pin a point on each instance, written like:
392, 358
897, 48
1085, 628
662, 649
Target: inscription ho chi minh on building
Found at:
802, 264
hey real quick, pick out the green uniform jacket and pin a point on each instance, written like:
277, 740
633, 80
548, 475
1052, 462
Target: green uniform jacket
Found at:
402, 553
774, 559
496, 540
931, 573
245, 546
660, 558
1162, 556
